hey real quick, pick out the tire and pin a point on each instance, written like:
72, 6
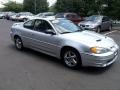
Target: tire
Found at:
98, 30
25, 19
3, 17
110, 28
18, 43
71, 58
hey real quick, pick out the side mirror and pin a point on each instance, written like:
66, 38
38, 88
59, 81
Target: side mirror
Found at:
50, 31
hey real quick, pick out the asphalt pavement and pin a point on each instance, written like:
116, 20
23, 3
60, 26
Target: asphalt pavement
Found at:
31, 70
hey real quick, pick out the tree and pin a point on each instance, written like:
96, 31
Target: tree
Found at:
82, 7
52, 8
13, 6
113, 9
35, 6
110, 8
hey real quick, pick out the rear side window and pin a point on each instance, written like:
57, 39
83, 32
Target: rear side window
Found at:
29, 24
42, 25
61, 15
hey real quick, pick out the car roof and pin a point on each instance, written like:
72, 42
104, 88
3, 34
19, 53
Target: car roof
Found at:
48, 18
67, 13
62, 15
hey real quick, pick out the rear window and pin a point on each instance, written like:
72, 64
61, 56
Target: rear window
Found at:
72, 16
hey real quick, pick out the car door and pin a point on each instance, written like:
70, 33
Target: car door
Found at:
108, 22
27, 32
105, 23
45, 41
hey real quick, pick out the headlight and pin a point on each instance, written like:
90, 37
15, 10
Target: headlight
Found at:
99, 50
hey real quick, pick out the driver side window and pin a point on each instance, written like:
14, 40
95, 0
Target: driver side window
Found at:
42, 26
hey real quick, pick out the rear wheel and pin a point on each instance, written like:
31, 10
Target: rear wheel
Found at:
98, 30
3, 17
18, 43
71, 58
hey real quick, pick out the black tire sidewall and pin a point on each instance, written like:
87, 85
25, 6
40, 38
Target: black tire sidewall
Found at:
16, 45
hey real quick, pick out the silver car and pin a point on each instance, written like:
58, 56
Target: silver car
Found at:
22, 16
2, 15
66, 41
96, 23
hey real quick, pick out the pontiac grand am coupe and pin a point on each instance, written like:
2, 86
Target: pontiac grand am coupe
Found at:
66, 41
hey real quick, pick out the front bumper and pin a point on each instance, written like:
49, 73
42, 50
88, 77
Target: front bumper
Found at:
99, 60
91, 29
85, 27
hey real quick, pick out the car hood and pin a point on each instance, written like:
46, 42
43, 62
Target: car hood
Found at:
18, 25
88, 23
1, 14
90, 39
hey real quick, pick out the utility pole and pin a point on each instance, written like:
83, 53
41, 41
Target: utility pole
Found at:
35, 6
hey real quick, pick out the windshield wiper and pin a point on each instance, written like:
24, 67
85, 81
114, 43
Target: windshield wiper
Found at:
79, 30
65, 32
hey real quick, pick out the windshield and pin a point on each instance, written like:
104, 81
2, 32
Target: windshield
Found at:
49, 14
93, 18
65, 26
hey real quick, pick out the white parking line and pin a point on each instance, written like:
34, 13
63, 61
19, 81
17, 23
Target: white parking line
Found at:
110, 32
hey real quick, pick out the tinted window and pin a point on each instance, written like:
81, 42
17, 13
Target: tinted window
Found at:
29, 24
105, 19
42, 25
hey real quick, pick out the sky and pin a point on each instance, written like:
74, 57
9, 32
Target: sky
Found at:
51, 2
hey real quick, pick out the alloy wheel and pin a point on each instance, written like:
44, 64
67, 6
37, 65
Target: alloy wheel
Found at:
70, 59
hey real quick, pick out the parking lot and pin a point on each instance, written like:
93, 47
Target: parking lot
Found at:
30, 70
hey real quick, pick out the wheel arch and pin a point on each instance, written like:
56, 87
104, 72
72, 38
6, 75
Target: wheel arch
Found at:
17, 36
68, 47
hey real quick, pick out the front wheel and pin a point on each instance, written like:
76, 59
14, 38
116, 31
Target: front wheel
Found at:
110, 28
98, 30
18, 43
71, 58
